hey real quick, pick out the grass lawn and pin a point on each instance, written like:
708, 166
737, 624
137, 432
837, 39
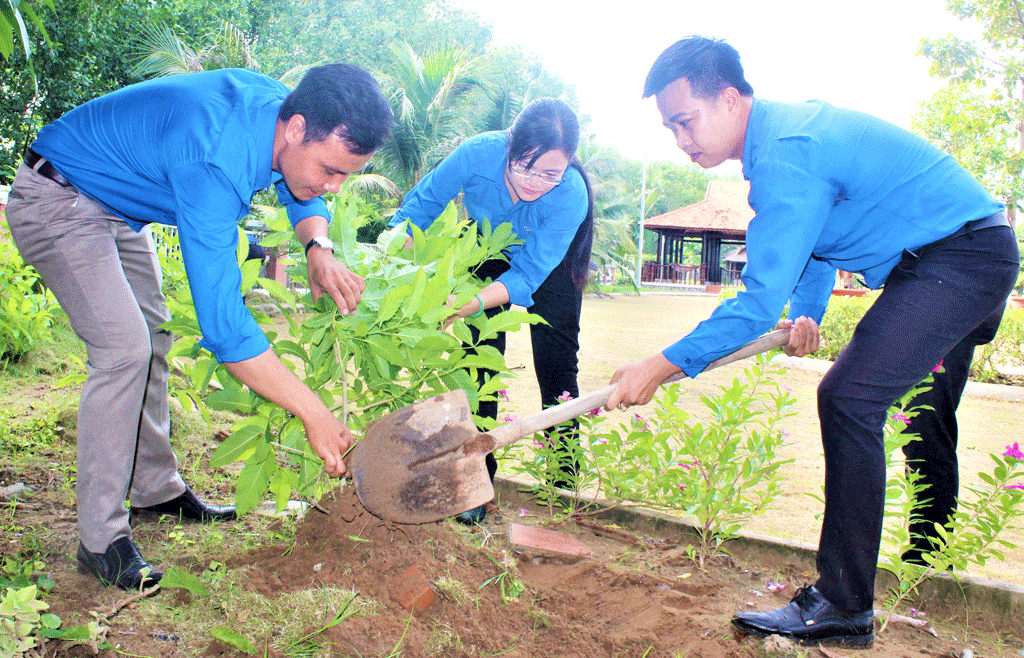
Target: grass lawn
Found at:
623, 328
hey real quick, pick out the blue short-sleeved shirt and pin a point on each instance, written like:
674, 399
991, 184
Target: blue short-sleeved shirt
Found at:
547, 225
831, 189
189, 151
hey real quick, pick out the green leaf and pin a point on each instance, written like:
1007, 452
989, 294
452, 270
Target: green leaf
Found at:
250, 272
176, 578
242, 248
72, 633
391, 302
226, 400
230, 637
278, 291
412, 304
281, 485
254, 480
237, 447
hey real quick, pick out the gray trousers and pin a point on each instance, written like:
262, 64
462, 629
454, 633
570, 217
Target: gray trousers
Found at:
107, 279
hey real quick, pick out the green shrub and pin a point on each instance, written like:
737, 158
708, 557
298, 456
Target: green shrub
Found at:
25, 305
839, 322
1007, 349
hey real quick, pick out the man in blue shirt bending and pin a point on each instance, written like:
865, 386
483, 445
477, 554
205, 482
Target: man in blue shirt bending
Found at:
189, 151
833, 188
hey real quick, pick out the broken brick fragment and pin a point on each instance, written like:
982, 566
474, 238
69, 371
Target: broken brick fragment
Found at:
412, 591
533, 541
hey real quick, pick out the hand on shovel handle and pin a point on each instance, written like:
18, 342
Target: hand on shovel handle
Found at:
511, 432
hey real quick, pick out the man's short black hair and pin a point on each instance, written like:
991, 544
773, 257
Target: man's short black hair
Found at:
342, 99
709, 65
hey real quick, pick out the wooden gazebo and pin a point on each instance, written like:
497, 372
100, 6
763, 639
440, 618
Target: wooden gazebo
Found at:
720, 220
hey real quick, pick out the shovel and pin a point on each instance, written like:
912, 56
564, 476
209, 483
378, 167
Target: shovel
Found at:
425, 462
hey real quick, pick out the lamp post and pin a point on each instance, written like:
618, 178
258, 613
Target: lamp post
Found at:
640, 231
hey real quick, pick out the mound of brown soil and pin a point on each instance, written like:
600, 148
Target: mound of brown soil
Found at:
630, 599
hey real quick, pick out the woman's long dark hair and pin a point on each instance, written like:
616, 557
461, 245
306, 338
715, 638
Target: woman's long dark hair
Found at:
549, 124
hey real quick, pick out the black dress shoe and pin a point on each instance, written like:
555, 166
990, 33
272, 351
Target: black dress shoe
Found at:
120, 565
187, 506
811, 619
474, 516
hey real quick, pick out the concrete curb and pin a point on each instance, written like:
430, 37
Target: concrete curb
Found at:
970, 595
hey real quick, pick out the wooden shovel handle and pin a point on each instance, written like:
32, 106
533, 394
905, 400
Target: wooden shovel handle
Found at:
505, 435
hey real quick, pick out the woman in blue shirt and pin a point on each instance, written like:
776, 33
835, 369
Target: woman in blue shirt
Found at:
529, 177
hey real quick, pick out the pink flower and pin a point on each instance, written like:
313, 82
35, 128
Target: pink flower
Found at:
900, 417
938, 367
687, 466
1019, 485
595, 412
1014, 451
523, 512
565, 396
602, 442
775, 587
643, 421
509, 418
503, 394
682, 487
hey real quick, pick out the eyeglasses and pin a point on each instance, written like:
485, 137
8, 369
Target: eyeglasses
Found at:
518, 169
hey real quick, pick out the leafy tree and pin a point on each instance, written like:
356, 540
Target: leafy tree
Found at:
979, 118
427, 95
12, 25
289, 32
88, 58
615, 213
161, 52
511, 78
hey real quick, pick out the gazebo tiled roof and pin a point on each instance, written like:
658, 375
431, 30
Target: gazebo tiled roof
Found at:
724, 209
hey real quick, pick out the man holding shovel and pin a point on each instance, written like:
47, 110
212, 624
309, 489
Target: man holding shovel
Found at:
833, 188
188, 151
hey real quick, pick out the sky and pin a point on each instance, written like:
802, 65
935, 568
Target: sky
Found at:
860, 55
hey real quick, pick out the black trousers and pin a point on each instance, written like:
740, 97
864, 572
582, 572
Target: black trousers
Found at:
932, 301
555, 345
934, 455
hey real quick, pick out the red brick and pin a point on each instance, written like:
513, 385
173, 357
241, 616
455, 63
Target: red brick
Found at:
533, 541
412, 591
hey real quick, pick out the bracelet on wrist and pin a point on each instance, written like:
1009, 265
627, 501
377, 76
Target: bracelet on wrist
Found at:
481, 311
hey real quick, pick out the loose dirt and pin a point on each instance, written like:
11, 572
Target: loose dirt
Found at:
642, 599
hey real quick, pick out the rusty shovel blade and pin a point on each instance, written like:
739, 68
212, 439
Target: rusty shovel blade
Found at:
424, 462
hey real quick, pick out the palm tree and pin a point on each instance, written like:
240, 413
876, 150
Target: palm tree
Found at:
427, 93
614, 248
161, 52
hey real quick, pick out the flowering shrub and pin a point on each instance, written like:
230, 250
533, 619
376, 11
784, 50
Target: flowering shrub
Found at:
719, 471
973, 533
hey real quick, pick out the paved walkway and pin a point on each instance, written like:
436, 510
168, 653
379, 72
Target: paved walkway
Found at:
974, 389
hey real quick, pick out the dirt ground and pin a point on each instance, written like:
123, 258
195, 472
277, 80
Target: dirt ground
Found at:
641, 599
635, 597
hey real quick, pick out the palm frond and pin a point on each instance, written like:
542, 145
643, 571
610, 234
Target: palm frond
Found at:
161, 53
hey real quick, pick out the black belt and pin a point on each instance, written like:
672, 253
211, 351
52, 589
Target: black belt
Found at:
992, 221
43, 167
